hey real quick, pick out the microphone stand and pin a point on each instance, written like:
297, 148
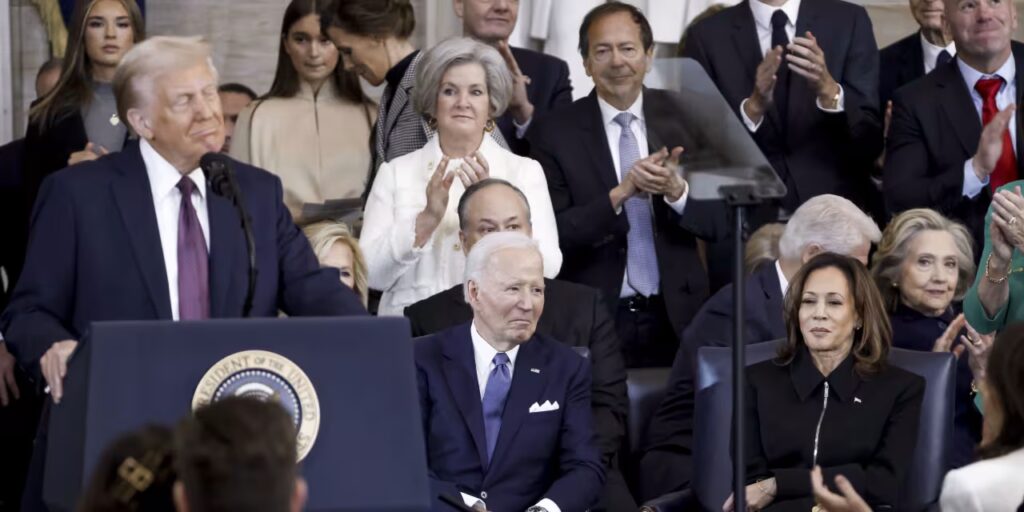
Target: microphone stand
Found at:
222, 180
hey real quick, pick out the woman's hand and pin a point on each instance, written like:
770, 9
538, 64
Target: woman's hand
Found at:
848, 501
437, 203
945, 342
759, 495
978, 346
1008, 216
474, 168
91, 152
54, 365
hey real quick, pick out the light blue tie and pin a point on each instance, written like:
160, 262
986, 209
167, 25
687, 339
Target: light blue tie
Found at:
641, 259
495, 393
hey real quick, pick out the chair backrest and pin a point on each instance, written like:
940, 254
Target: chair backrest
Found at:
713, 412
645, 387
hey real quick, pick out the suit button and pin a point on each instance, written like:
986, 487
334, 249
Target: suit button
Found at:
483, 495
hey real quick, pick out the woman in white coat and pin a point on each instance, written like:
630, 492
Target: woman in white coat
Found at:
410, 231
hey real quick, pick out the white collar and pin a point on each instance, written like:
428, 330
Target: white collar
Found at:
931, 52
763, 12
608, 112
783, 282
1008, 72
164, 177
488, 146
483, 352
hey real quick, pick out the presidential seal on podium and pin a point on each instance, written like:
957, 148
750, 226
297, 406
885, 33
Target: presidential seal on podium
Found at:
265, 376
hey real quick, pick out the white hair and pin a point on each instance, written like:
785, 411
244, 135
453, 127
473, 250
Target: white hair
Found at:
482, 252
831, 222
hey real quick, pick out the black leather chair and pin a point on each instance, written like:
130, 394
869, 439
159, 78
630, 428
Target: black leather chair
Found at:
713, 411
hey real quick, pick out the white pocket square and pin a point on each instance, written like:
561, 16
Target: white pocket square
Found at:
547, 406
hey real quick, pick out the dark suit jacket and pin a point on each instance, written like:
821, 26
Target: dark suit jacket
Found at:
573, 149
538, 455
868, 430
574, 315
900, 63
934, 130
819, 152
667, 462
12, 218
95, 254
549, 88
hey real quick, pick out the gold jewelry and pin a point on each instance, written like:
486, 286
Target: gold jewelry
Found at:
432, 122
760, 486
974, 387
988, 272
1012, 221
489, 127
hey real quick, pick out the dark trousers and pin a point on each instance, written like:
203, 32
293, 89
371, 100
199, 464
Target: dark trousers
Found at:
648, 339
18, 423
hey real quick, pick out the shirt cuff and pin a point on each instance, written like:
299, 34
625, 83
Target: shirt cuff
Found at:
471, 500
972, 185
752, 126
548, 505
521, 128
840, 106
679, 204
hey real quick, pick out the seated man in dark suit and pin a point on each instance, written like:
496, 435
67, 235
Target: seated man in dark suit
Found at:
825, 223
506, 410
919, 53
625, 223
138, 235
954, 137
574, 316
541, 82
238, 454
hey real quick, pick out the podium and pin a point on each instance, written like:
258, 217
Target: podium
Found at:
367, 449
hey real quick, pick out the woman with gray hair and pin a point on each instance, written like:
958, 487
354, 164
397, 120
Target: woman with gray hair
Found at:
410, 230
923, 267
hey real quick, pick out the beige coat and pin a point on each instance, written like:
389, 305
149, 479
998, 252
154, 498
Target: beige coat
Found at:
318, 146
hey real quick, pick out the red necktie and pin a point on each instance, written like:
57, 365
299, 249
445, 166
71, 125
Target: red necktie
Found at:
1006, 166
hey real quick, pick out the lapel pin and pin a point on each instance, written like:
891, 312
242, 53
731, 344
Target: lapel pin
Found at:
534, 370
856, 400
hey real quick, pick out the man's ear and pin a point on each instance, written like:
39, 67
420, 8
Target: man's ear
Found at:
140, 123
472, 292
462, 242
180, 501
299, 495
810, 251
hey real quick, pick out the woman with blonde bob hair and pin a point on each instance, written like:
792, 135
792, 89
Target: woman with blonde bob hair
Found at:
335, 246
923, 268
830, 399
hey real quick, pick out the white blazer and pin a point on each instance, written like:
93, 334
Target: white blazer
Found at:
407, 274
992, 485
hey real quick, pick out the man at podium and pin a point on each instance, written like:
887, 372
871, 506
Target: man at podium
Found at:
138, 235
506, 411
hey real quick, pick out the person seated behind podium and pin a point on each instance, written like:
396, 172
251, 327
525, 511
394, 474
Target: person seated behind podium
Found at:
410, 228
574, 315
829, 398
335, 246
106, 233
135, 472
238, 454
506, 410
923, 267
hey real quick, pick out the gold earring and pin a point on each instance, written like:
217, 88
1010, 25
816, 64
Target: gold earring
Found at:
489, 127
432, 123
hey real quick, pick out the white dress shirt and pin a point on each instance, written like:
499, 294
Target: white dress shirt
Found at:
931, 53
763, 23
783, 282
992, 485
1006, 95
163, 183
638, 126
483, 354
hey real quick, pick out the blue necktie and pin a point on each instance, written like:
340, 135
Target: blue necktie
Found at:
641, 259
943, 58
495, 394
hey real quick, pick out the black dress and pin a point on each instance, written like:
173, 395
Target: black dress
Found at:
915, 331
867, 434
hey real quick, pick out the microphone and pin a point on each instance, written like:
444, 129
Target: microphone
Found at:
220, 177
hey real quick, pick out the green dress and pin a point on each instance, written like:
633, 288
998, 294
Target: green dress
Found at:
1013, 310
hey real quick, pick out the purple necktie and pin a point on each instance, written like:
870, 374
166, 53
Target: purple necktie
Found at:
193, 262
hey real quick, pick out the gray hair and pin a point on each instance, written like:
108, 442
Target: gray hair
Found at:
892, 251
831, 222
481, 253
453, 52
147, 60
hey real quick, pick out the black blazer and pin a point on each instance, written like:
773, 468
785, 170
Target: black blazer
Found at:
819, 153
901, 63
549, 88
572, 147
573, 315
934, 130
12, 218
867, 434
668, 453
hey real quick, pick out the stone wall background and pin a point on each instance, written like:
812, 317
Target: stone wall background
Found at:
244, 35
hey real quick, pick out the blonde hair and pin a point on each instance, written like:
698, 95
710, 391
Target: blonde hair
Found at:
133, 80
763, 246
322, 237
892, 251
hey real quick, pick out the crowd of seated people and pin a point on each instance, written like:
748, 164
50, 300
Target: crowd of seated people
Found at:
518, 229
